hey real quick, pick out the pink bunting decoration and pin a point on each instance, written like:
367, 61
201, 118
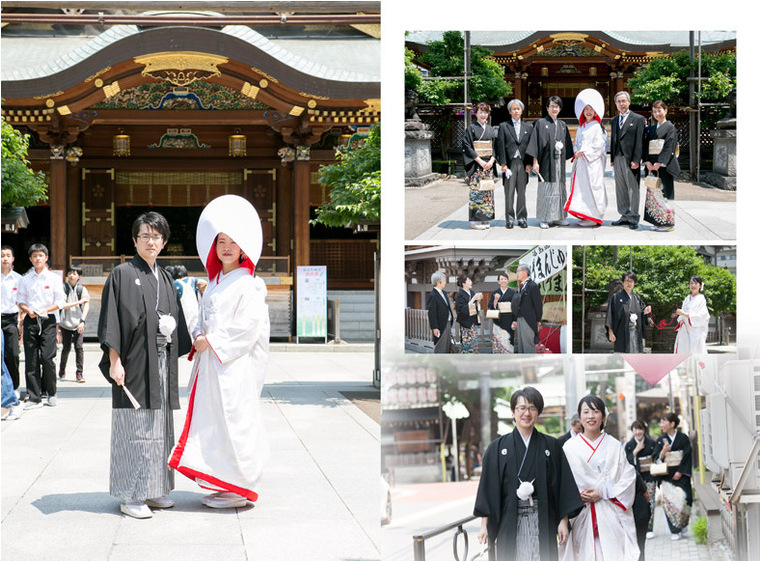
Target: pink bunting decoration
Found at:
653, 368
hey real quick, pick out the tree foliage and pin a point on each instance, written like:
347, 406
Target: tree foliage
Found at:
21, 187
663, 275
354, 183
665, 78
447, 58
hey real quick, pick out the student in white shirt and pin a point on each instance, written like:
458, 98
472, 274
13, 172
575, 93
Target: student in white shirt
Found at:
40, 296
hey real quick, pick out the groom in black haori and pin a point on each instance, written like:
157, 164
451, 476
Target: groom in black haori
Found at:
527, 492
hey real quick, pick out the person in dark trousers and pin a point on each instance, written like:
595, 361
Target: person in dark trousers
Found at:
10, 311
627, 133
40, 296
512, 141
440, 315
73, 319
527, 309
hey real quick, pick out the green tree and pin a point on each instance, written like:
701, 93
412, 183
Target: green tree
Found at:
665, 78
21, 186
447, 58
354, 183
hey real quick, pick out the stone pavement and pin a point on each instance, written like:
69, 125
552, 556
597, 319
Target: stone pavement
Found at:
439, 212
319, 495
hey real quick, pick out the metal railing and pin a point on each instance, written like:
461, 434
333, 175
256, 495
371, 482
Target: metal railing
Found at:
418, 541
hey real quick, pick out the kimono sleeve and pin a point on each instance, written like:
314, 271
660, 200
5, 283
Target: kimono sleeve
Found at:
593, 144
699, 316
569, 500
246, 323
610, 317
109, 321
461, 303
533, 149
469, 152
489, 495
620, 480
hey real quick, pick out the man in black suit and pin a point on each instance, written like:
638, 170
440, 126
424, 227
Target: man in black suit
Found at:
439, 313
527, 308
575, 430
512, 141
628, 129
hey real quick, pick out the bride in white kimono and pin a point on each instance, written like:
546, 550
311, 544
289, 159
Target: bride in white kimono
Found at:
604, 530
692, 327
223, 446
588, 198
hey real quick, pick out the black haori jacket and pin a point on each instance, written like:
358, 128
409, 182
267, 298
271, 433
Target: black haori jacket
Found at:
555, 490
129, 323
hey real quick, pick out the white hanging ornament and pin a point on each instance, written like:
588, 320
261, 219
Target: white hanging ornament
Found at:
525, 491
167, 324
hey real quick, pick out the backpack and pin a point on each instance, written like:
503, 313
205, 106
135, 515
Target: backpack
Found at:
77, 288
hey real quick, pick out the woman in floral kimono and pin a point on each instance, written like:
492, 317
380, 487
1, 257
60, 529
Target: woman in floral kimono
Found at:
674, 448
662, 150
692, 327
588, 198
466, 307
605, 529
478, 157
223, 446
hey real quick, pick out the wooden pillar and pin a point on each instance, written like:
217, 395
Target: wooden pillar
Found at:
57, 193
301, 171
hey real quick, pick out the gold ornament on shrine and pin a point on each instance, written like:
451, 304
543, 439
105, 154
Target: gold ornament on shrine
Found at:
237, 144
122, 144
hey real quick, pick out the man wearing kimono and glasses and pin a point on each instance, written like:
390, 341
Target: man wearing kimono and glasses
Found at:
527, 492
142, 333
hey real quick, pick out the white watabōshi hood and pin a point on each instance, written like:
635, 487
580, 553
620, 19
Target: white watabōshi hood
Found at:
591, 97
237, 218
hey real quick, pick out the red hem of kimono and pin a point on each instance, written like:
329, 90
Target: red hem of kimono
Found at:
174, 460
567, 207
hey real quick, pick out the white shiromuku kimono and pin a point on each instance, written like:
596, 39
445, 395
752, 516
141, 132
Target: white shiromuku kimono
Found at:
588, 198
223, 446
691, 333
602, 465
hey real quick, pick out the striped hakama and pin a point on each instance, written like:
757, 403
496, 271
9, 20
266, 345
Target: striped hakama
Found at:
527, 537
551, 196
141, 442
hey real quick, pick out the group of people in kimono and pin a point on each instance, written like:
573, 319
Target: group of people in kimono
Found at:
142, 333
515, 314
628, 316
585, 498
515, 149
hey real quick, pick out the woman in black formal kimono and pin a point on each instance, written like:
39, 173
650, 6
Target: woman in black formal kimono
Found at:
501, 328
625, 321
676, 486
478, 157
661, 151
639, 446
527, 491
466, 307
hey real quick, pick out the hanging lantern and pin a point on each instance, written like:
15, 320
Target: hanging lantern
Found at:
122, 144
237, 144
